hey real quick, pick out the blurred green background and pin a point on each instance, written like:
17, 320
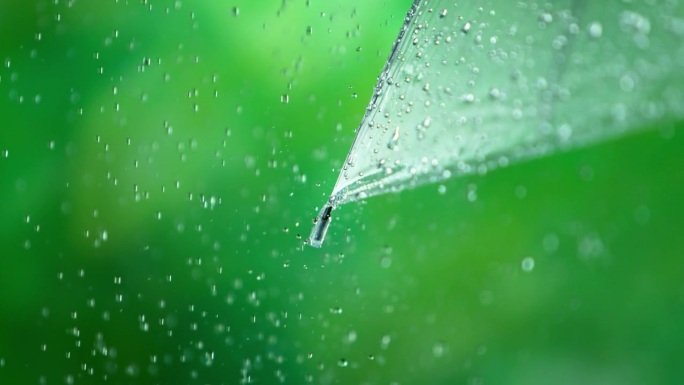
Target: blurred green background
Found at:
161, 162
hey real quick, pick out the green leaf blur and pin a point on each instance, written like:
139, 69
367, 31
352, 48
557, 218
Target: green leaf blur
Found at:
161, 162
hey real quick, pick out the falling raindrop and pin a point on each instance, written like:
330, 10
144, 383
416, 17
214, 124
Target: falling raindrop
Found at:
527, 264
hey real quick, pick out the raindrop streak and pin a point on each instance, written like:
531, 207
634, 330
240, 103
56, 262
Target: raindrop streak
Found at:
495, 90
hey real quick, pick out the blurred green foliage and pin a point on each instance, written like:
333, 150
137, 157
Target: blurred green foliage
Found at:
161, 161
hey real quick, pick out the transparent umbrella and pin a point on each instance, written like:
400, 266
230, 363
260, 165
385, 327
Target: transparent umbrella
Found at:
474, 86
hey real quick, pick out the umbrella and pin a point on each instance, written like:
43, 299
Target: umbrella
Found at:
479, 85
